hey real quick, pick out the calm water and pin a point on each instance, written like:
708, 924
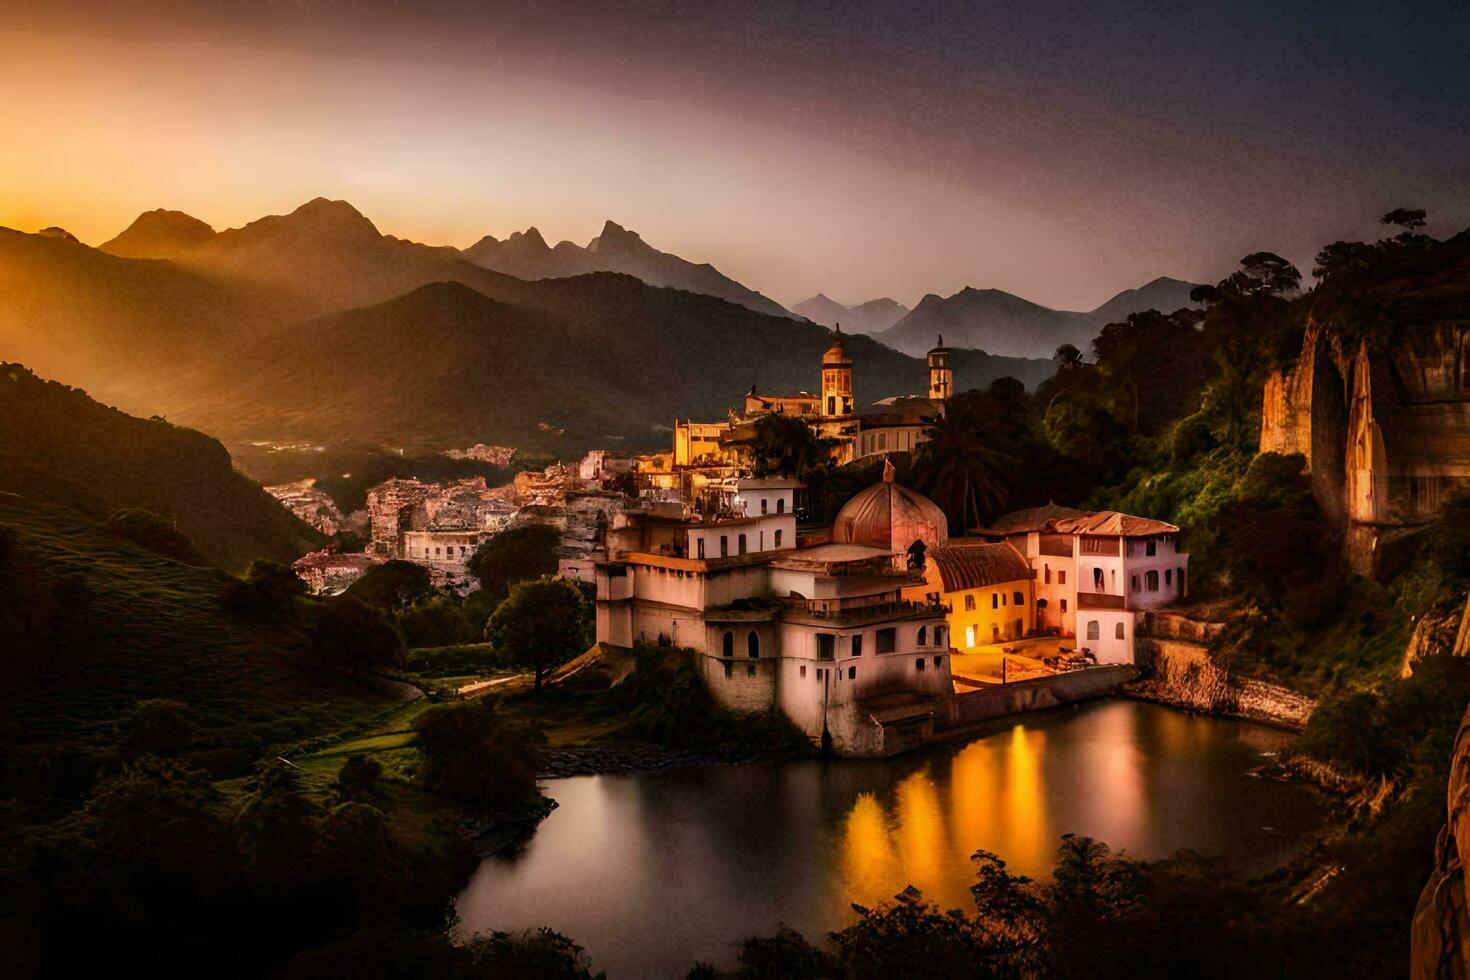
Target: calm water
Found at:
652, 872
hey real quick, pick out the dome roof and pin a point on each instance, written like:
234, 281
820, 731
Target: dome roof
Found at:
890, 516
835, 354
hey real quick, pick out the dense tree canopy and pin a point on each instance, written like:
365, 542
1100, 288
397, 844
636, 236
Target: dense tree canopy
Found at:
541, 625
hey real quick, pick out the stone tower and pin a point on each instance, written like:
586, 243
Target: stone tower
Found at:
941, 375
836, 378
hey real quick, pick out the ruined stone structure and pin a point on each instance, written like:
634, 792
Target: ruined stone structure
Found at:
1386, 433
397, 507
330, 573
1440, 941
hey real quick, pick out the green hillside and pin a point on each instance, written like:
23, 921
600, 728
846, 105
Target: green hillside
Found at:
58, 444
93, 624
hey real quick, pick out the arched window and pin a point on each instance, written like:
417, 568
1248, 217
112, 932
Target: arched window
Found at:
753, 644
1151, 580
1093, 632
741, 541
1097, 579
778, 537
1048, 574
969, 603
780, 507
764, 504
969, 636
939, 636
1168, 576
916, 556
994, 632
923, 636
728, 649
1040, 603
1118, 633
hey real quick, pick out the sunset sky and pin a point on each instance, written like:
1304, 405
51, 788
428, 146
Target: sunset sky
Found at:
1060, 151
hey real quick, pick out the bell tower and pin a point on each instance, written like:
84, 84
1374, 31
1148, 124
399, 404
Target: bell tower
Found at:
836, 378
941, 375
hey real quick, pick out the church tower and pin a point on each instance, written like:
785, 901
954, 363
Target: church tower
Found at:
941, 375
836, 378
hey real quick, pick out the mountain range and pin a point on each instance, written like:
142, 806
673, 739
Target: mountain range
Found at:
1002, 323
872, 317
526, 255
315, 326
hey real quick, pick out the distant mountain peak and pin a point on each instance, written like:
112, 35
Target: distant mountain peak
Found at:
616, 238
333, 218
159, 234
530, 238
872, 317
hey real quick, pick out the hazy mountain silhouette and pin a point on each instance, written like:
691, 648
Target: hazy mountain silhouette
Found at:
60, 446
1003, 323
872, 317
159, 234
527, 256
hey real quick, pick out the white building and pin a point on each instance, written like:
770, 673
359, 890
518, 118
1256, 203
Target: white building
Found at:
1095, 572
821, 632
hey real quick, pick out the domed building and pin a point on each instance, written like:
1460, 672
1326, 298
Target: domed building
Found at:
894, 518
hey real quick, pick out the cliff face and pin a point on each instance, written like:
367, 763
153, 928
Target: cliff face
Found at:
1386, 433
1440, 943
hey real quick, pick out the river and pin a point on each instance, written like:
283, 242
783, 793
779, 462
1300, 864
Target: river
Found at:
651, 872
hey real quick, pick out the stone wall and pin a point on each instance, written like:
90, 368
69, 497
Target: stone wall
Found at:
1440, 933
1037, 693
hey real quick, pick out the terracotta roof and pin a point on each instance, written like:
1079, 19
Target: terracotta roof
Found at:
971, 566
1030, 519
1112, 522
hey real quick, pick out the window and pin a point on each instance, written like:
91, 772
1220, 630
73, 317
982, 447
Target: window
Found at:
923, 636
436, 552
778, 537
803, 670
919, 664
1064, 605
699, 543
852, 673
1151, 580
1118, 633
857, 645
994, 633
969, 636
882, 441
1048, 575
1061, 576
780, 508
1180, 579
728, 670
1112, 579
724, 545
750, 670
753, 645
1092, 630
938, 661
994, 601
1018, 599
1151, 548
831, 405
1134, 583
763, 506
1168, 576
1097, 579
826, 643
969, 603
741, 543
727, 647
887, 640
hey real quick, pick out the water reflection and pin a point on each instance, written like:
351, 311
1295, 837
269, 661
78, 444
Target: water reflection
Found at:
652, 872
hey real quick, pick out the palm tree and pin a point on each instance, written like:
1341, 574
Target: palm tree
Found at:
960, 471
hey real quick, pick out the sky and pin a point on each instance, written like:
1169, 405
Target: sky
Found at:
1060, 151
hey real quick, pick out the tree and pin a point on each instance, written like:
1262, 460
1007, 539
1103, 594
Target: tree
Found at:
960, 468
393, 585
514, 556
1408, 219
541, 625
787, 446
469, 754
348, 636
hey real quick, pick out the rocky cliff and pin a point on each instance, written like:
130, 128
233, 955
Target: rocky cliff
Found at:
1384, 426
1440, 944
1175, 651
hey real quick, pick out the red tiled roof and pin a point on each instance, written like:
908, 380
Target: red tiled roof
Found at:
1030, 519
1112, 522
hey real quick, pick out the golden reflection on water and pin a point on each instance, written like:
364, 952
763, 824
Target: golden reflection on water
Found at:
918, 837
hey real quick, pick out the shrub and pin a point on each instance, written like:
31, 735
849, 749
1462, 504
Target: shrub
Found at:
471, 755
